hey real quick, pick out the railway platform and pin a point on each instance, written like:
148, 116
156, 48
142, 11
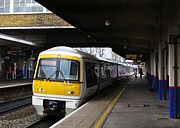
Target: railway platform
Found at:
14, 83
125, 105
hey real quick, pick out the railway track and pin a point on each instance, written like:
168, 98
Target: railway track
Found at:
45, 122
14, 104
48, 121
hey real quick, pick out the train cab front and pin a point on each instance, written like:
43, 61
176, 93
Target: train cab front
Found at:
56, 85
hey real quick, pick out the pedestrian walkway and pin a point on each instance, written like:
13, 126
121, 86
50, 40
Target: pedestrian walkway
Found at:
14, 83
88, 114
139, 108
135, 107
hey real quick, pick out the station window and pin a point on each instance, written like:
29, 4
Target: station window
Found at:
27, 6
4, 6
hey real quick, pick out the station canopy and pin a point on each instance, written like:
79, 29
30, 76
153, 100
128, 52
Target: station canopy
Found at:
132, 27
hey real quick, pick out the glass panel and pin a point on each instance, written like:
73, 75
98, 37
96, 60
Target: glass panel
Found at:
27, 6
91, 74
16, 5
69, 69
1, 10
28, 1
113, 70
2, 3
46, 68
4, 6
22, 3
58, 69
40, 9
105, 72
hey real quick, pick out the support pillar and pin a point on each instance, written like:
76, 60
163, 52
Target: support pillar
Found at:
152, 76
160, 72
148, 69
174, 80
152, 68
165, 76
156, 79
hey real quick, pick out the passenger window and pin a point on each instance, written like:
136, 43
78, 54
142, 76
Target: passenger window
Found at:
104, 72
108, 74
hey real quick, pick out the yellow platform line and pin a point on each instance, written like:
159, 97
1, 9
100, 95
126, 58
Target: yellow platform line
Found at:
108, 109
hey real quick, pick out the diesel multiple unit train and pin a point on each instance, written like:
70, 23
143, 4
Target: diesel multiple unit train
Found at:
65, 77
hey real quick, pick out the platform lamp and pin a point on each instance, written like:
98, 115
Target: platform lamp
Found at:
107, 22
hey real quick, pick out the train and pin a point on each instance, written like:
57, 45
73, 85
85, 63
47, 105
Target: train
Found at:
65, 77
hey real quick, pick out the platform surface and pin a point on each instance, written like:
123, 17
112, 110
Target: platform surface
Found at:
140, 108
137, 107
90, 113
14, 83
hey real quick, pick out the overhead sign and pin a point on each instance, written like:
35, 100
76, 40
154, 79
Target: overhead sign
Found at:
131, 56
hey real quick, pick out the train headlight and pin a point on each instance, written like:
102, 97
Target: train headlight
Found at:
70, 92
40, 90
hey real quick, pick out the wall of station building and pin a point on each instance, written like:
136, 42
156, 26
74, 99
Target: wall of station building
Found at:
27, 13
15, 6
31, 20
19, 62
16, 63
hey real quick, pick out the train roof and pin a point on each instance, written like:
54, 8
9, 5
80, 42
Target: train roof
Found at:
59, 49
77, 53
68, 51
102, 59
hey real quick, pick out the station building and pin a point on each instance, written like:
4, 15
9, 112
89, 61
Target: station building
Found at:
17, 19
149, 29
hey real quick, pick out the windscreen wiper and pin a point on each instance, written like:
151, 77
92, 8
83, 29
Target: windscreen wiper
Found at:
64, 79
62, 75
52, 75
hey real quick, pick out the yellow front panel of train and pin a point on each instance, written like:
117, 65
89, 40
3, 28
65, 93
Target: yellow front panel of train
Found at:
56, 88
49, 65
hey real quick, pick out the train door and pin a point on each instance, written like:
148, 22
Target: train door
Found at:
105, 76
97, 72
92, 77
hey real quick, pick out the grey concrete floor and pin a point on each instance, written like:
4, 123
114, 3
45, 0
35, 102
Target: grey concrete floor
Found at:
140, 108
